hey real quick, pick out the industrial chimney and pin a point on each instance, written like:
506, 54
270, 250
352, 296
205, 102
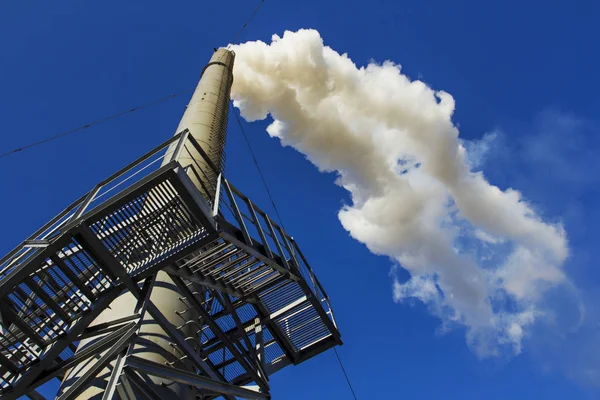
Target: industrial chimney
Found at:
162, 282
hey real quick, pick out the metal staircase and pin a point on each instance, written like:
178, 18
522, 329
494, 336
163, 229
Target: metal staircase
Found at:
253, 294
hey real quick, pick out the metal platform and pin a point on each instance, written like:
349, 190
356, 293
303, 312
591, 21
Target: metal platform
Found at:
260, 305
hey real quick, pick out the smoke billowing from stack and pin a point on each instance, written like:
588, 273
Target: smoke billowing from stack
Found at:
477, 255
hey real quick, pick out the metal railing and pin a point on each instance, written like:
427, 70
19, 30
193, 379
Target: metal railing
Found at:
259, 229
123, 178
138, 215
41, 238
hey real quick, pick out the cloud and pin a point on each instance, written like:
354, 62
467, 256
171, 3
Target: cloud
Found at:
477, 150
555, 159
416, 196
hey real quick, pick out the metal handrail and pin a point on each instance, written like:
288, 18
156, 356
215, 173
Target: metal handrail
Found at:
76, 209
303, 265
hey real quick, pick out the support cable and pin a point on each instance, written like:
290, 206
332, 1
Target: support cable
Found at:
117, 115
345, 374
237, 36
262, 177
97, 122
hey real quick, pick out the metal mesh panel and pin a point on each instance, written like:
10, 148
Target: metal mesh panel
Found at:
148, 228
282, 296
230, 266
244, 271
43, 306
303, 326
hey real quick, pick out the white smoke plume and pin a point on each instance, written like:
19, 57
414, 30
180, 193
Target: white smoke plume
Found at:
477, 255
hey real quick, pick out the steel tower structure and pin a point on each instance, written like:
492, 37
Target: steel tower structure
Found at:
163, 280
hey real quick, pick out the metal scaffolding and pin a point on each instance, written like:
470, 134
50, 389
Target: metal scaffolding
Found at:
248, 294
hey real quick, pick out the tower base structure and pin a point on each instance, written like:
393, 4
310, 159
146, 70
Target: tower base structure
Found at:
250, 302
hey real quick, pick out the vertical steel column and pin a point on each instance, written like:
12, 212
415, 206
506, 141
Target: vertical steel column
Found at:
206, 119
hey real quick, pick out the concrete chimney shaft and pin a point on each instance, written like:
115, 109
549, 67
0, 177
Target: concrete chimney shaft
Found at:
206, 119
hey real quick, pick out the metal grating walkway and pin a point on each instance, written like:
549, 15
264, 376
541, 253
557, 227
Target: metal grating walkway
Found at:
256, 294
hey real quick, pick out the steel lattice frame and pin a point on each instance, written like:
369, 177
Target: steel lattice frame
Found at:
260, 306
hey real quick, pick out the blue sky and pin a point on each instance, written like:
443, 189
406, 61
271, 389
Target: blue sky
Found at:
525, 74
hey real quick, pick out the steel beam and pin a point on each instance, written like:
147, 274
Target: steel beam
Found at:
125, 390
230, 232
284, 342
179, 340
45, 297
140, 309
35, 395
96, 348
259, 228
255, 352
180, 143
196, 204
80, 384
107, 261
236, 340
277, 244
165, 263
77, 282
150, 391
113, 267
201, 280
140, 160
260, 344
185, 377
216, 329
238, 214
115, 374
23, 384
319, 309
217, 195
23, 326
89, 198
224, 300
105, 327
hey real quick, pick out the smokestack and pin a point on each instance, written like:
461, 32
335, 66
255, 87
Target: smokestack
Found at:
206, 119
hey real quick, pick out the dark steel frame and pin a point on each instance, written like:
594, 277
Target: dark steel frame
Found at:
259, 303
